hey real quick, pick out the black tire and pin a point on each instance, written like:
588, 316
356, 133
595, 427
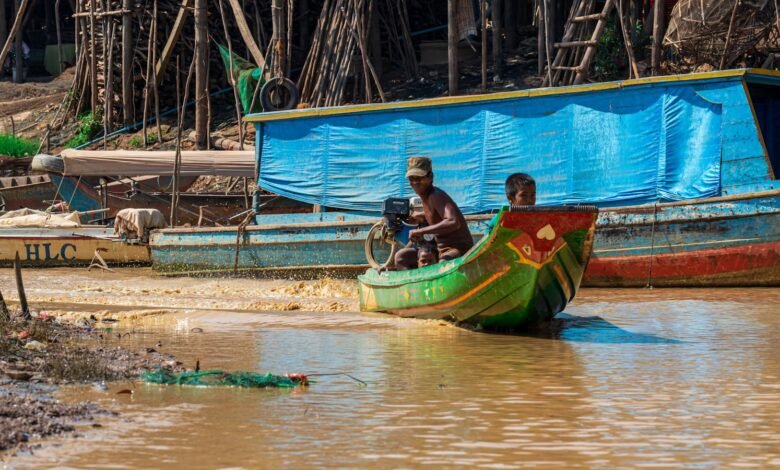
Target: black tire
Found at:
278, 94
376, 234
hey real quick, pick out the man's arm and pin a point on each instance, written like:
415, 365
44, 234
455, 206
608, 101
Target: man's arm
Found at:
449, 213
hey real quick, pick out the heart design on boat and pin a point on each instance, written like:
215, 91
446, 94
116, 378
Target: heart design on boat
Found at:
546, 233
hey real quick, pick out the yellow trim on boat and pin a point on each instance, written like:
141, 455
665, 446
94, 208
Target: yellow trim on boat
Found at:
473, 291
529, 93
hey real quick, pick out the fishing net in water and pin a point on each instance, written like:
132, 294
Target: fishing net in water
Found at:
209, 378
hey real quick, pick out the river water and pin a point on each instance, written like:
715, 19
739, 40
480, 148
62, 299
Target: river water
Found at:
626, 378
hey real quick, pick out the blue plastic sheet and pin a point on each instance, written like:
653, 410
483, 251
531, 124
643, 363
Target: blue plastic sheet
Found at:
617, 147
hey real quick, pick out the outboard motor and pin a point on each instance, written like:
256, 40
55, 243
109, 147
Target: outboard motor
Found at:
386, 237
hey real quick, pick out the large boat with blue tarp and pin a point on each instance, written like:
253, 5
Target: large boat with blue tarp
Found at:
683, 169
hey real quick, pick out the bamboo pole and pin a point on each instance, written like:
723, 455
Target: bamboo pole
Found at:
178, 25
60, 61
232, 77
728, 36
452, 48
19, 48
497, 39
127, 64
658, 35
633, 68
280, 52
11, 39
483, 20
154, 74
92, 58
201, 73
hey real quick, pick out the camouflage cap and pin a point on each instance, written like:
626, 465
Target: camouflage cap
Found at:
418, 166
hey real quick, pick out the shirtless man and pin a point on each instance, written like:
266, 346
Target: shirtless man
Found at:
445, 220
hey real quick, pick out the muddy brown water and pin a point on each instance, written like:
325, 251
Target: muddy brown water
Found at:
629, 378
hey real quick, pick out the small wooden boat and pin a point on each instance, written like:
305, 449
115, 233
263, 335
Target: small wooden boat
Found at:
66, 244
525, 270
50, 247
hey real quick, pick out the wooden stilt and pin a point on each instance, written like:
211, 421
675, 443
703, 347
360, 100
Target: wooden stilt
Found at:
60, 60
127, 63
452, 48
497, 39
21, 9
92, 59
201, 73
483, 20
18, 48
658, 36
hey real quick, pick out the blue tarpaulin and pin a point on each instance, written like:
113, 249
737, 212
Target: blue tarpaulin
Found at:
613, 147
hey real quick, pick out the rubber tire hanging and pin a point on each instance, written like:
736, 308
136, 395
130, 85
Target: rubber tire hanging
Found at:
278, 94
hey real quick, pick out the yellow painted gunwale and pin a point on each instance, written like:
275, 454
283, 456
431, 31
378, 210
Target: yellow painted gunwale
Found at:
530, 93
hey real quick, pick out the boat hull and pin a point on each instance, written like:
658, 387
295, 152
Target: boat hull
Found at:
51, 247
725, 241
527, 270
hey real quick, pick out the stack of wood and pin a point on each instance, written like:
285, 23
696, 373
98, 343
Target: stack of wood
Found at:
341, 32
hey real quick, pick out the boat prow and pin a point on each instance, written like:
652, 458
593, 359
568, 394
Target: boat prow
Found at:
526, 269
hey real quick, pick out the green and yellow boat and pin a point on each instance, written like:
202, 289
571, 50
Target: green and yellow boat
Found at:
525, 270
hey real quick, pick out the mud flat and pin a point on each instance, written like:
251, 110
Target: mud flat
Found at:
38, 355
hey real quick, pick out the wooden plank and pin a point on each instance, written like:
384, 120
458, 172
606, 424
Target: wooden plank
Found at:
14, 30
178, 25
246, 34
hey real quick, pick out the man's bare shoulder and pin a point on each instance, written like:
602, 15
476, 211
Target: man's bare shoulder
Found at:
438, 195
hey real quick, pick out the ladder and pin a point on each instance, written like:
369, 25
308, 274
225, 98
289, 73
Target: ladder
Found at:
578, 46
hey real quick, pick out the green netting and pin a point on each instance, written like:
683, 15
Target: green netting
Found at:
246, 75
218, 377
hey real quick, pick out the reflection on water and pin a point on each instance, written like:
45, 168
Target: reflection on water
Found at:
624, 378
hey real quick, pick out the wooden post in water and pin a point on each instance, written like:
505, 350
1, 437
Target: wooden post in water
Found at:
201, 74
20, 288
127, 63
658, 36
452, 48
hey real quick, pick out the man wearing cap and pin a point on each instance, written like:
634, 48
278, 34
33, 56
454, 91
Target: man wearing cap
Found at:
445, 221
